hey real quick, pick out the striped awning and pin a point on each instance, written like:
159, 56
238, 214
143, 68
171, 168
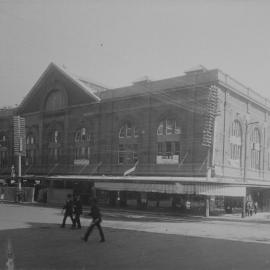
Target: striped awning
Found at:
220, 190
176, 188
141, 187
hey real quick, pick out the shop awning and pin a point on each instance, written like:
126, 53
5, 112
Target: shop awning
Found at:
176, 188
141, 187
220, 190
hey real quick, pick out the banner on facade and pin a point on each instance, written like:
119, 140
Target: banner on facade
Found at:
131, 169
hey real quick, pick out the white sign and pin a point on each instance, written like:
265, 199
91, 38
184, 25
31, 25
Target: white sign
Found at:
173, 159
81, 162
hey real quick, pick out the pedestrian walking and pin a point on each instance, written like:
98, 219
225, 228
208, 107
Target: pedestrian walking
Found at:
255, 207
96, 220
68, 208
248, 208
2, 193
251, 207
77, 208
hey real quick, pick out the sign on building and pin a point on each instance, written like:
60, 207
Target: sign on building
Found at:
19, 136
172, 159
81, 162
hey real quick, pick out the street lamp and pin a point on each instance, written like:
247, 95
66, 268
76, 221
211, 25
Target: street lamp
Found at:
245, 164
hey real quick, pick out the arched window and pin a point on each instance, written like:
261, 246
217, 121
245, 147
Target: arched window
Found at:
236, 143
30, 149
3, 140
55, 146
82, 136
55, 101
82, 139
128, 144
255, 141
168, 142
268, 152
168, 127
30, 139
3, 150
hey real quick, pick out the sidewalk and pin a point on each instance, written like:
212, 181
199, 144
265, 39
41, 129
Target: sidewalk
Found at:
260, 217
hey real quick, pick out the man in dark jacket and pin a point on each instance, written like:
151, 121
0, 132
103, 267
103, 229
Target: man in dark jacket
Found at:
96, 216
77, 204
68, 207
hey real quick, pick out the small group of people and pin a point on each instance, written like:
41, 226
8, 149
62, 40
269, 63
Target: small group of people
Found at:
251, 207
73, 210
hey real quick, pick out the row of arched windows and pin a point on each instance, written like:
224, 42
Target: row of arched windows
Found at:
168, 145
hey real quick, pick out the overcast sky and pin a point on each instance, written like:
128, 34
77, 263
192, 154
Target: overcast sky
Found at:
117, 42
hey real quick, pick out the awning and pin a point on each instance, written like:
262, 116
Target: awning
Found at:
220, 190
176, 188
141, 187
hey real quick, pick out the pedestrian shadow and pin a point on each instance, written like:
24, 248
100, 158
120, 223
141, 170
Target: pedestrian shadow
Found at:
43, 226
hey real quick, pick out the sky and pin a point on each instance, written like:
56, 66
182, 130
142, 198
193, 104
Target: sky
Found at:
117, 42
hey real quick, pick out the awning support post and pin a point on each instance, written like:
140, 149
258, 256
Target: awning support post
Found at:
207, 206
244, 207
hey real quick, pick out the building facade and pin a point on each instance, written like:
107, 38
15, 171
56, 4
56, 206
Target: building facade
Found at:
195, 142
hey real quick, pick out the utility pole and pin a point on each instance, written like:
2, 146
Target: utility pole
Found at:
19, 147
20, 164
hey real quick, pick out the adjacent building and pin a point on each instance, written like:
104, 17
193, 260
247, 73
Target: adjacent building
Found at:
6, 139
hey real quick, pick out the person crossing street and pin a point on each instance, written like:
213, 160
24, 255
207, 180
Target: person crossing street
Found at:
68, 208
77, 205
96, 221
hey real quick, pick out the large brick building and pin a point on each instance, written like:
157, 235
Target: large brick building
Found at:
201, 138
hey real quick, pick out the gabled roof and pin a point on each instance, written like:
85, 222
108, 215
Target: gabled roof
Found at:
90, 89
89, 86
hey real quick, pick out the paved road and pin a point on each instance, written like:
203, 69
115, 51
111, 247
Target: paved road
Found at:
255, 229
133, 241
